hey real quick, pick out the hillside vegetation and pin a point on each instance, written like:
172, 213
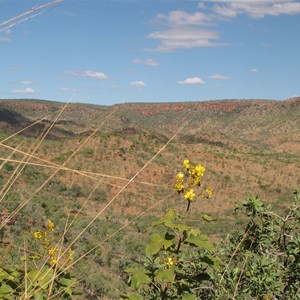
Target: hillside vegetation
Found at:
109, 171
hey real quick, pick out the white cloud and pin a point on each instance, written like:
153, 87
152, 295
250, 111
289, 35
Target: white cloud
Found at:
255, 8
28, 90
178, 17
67, 90
217, 76
90, 74
137, 83
5, 39
253, 70
184, 38
147, 62
192, 80
186, 30
26, 82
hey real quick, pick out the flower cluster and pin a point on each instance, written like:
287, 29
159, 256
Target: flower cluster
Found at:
188, 183
46, 238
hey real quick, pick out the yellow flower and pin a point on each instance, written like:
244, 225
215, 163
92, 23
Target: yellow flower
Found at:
179, 187
180, 176
209, 192
186, 164
190, 195
38, 235
50, 224
53, 260
52, 251
199, 170
170, 262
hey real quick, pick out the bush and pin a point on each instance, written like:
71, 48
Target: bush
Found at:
260, 262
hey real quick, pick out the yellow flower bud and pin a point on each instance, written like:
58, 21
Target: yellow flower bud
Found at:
186, 164
50, 224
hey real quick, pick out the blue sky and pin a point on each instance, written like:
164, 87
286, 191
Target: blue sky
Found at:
115, 51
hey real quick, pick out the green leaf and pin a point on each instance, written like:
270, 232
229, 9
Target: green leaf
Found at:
39, 295
183, 227
41, 278
5, 275
189, 297
66, 281
135, 297
200, 241
165, 275
169, 218
158, 241
155, 245
138, 277
5, 289
68, 290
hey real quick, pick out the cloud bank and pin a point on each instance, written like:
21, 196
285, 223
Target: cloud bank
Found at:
189, 30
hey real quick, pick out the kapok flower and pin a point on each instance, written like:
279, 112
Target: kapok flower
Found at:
38, 235
190, 195
170, 262
199, 170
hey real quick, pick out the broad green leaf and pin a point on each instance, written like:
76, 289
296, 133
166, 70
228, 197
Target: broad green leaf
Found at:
39, 295
189, 297
159, 241
183, 227
68, 290
66, 281
165, 275
200, 241
41, 278
169, 218
169, 215
153, 248
138, 277
135, 297
5, 275
5, 289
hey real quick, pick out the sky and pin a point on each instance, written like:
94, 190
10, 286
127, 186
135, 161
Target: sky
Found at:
115, 51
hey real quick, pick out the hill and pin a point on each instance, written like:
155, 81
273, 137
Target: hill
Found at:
80, 161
